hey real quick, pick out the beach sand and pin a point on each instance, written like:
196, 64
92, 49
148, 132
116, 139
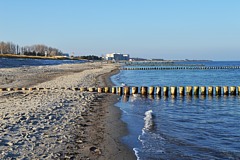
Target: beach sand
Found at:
59, 123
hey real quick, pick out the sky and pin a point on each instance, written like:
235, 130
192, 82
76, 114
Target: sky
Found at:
168, 29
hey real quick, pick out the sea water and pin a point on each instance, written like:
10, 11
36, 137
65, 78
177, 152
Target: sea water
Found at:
196, 127
23, 62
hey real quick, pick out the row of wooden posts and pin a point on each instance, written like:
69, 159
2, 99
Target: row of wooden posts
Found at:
180, 68
173, 90
165, 90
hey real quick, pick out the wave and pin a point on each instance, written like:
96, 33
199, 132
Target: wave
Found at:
149, 124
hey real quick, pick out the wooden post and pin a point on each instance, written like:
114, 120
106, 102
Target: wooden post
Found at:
120, 90
100, 89
151, 90
225, 90
91, 89
9, 89
165, 90
196, 90
17, 89
144, 90
134, 90
181, 91
158, 90
106, 89
82, 89
203, 90
189, 90
114, 90
233, 90
218, 90
210, 90
173, 90
126, 90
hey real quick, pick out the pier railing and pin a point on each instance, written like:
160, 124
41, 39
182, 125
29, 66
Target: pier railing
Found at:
144, 90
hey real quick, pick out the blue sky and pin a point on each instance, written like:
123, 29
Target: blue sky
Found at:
169, 29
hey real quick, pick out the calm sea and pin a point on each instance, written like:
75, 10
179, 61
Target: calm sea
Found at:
182, 127
18, 62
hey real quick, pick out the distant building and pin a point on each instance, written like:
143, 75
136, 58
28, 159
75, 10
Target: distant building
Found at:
117, 57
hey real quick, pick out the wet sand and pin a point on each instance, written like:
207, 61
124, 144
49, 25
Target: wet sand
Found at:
58, 123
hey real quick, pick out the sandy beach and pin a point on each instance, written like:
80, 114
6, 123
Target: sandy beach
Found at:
60, 123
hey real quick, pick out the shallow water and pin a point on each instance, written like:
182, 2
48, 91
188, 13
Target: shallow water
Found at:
18, 62
202, 127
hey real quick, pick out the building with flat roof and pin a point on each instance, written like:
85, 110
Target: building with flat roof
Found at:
117, 57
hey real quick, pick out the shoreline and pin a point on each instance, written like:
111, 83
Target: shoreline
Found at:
115, 127
61, 124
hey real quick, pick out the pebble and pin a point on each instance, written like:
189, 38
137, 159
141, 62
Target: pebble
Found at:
38, 112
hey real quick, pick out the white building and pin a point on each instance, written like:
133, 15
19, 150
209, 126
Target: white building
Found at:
117, 57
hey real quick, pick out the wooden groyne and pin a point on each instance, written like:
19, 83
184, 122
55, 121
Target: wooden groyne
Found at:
144, 90
181, 68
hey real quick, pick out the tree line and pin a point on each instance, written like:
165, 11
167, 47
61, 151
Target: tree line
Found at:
33, 50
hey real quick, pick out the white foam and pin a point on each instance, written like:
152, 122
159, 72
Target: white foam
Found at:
148, 120
136, 153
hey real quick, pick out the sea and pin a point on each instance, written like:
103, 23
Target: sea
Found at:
24, 62
182, 127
